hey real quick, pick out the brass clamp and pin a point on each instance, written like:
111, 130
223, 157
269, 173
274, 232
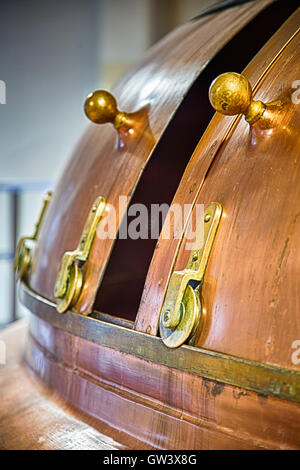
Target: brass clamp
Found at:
22, 260
69, 281
181, 314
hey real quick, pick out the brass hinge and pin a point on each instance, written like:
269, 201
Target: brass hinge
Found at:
69, 281
22, 260
181, 313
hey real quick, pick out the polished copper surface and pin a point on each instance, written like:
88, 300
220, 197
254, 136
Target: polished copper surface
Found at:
102, 165
254, 314
237, 386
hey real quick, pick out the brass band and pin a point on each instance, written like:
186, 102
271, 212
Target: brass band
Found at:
260, 378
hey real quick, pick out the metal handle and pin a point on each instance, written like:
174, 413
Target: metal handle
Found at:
23, 253
231, 93
69, 280
101, 107
181, 311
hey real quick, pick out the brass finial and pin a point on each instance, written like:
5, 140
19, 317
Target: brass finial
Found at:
231, 93
101, 107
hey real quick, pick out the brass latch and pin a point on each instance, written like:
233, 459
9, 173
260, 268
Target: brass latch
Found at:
181, 313
69, 280
23, 253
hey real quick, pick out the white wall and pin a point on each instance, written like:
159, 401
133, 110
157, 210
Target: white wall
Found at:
124, 36
188, 9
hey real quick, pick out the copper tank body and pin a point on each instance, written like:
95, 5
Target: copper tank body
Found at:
235, 384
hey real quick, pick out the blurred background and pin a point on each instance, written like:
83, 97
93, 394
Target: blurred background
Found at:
52, 54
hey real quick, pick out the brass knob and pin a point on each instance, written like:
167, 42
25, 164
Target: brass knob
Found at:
231, 93
101, 107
